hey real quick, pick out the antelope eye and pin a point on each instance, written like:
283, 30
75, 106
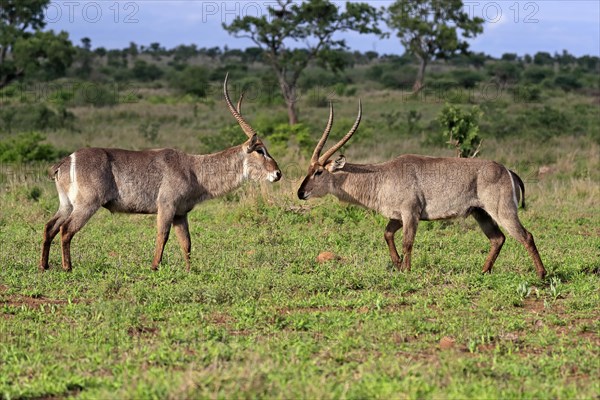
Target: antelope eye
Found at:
260, 151
318, 172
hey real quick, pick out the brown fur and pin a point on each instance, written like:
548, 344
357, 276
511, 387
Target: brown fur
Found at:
165, 182
410, 188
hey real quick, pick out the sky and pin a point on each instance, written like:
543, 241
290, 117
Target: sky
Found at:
522, 27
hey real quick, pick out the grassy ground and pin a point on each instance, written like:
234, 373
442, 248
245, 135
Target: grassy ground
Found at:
258, 316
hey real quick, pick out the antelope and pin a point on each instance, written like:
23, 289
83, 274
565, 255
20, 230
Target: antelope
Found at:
166, 182
411, 188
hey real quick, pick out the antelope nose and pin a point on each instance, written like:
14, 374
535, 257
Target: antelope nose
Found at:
277, 175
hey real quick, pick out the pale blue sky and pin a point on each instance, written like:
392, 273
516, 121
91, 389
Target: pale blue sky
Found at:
511, 26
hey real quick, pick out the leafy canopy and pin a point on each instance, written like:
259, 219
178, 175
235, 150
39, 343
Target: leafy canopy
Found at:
430, 29
24, 48
292, 34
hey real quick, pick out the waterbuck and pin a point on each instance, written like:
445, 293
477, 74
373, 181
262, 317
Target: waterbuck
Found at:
165, 182
410, 188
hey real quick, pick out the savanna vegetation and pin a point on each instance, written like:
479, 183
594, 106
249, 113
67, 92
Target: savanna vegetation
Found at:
260, 315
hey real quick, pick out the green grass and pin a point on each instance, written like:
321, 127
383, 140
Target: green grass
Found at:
258, 317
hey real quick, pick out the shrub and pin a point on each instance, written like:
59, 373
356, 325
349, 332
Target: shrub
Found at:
567, 82
34, 117
145, 72
527, 93
462, 129
228, 136
96, 94
283, 134
393, 75
402, 78
545, 122
505, 71
192, 80
313, 77
536, 74
317, 99
467, 78
28, 147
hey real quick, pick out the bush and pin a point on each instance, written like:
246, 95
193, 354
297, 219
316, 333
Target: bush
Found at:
467, 78
192, 80
313, 77
527, 93
34, 117
27, 147
504, 71
392, 75
285, 134
96, 94
462, 129
228, 136
545, 122
536, 74
145, 72
567, 82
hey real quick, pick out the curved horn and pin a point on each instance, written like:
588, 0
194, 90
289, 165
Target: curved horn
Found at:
317, 152
239, 104
245, 125
343, 141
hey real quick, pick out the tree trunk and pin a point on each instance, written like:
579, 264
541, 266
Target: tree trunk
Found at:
289, 95
419, 82
291, 110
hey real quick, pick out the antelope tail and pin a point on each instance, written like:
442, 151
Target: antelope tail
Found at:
521, 185
53, 170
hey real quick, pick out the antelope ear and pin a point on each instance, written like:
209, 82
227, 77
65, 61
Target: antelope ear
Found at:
252, 145
337, 164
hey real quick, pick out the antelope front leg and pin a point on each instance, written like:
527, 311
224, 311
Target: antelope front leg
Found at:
164, 220
390, 230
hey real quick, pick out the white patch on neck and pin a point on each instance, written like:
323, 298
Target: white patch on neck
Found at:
514, 191
73, 187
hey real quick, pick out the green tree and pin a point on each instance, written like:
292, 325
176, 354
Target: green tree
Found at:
462, 129
192, 80
24, 47
84, 57
312, 23
430, 29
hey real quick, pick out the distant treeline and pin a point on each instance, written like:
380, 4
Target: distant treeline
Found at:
189, 68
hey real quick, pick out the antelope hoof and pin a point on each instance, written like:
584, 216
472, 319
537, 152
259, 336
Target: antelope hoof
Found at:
43, 268
67, 268
541, 274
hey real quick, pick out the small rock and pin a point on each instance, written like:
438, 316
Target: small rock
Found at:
326, 256
447, 343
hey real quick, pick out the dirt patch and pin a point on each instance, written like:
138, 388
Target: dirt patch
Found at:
35, 302
358, 310
141, 330
534, 305
220, 319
